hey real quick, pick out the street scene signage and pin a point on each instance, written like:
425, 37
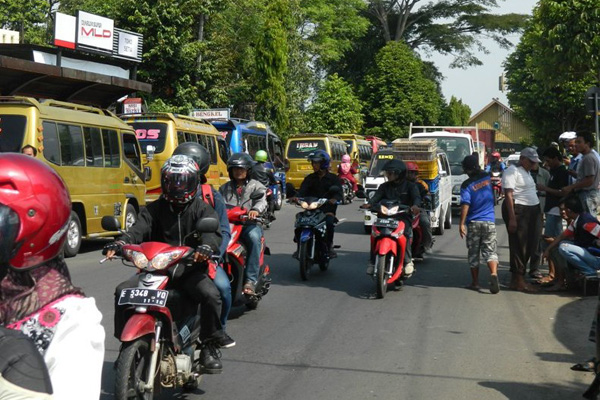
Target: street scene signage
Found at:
211, 114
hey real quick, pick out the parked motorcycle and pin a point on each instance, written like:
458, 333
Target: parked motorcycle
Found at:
311, 234
236, 257
388, 243
496, 178
160, 347
347, 192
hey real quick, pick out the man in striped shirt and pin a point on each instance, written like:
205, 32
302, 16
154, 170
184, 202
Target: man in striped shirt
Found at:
583, 233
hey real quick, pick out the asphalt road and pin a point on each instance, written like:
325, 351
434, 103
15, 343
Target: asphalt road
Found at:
329, 339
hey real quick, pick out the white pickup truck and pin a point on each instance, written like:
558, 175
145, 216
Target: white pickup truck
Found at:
440, 189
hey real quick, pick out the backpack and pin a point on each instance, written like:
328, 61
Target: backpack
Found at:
207, 195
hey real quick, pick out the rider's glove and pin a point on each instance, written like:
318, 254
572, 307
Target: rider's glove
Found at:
204, 250
116, 246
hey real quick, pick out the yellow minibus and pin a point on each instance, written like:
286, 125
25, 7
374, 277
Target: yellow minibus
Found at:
96, 154
160, 133
359, 149
298, 147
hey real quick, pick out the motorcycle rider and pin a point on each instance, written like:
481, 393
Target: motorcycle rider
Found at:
265, 176
238, 192
496, 164
424, 218
212, 197
398, 188
169, 219
322, 184
347, 171
37, 296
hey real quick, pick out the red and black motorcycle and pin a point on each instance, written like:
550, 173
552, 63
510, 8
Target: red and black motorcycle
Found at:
496, 178
388, 243
235, 260
159, 342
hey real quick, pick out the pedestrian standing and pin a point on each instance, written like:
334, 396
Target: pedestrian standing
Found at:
478, 222
540, 175
588, 174
522, 215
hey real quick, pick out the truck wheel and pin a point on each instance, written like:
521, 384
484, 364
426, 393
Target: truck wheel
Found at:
73, 242
440, 229
448, 220
279, 198
130, 216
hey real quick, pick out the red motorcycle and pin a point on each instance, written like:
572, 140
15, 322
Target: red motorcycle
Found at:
160, 347
388, 243
235, 261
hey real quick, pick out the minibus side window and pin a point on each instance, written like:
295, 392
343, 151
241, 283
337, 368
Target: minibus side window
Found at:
51, 145
277, 153
131, 150
190, 137
223, 153
180, 137
209, 143
71, 145
110, 138
93, 147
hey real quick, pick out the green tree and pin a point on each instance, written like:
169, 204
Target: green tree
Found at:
547, 78
456, 113
397, 92
28, 17
336, 108
272, 65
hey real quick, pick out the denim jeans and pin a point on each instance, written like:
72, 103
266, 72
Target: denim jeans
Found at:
251, 237
579, 258
222, 283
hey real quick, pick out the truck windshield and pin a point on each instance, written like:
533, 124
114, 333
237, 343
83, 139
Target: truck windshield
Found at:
455, 148
378, 162
12, 132
302, 148
151, 134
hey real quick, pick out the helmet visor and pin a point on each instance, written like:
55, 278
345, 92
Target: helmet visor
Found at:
179, 185
9, 229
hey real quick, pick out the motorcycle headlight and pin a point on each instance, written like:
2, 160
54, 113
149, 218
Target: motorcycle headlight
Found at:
304, 205
456, 189
138, 258
313, 205
163, 260
393, 210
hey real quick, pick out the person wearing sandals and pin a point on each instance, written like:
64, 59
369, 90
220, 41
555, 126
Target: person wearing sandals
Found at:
478, 222
238, 192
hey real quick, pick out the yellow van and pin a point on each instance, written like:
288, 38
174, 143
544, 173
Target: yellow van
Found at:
96, 154
359, 149
160, 133
298, 147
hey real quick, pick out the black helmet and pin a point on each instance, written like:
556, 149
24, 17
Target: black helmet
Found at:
397, 167
320, 156
179, 179
197, 152
239, 160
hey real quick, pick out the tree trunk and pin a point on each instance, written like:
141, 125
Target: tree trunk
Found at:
200, 36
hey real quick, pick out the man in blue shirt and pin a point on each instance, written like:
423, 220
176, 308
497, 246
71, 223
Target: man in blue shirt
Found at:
478, 222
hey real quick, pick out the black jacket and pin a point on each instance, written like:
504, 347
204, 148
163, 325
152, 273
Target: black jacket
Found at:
406, 192
315, 186
261, 174
160, 222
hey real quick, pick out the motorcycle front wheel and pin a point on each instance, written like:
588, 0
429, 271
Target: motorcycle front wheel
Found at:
132, 370
382, 275
305, 262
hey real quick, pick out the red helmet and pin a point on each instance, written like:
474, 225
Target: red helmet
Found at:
496, 154
34, 212
411, 166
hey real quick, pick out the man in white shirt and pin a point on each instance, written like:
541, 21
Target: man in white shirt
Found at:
522, 215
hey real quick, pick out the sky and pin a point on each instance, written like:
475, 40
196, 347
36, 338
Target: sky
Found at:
477, 86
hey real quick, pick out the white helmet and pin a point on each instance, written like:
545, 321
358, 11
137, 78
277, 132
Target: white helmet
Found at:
567, 136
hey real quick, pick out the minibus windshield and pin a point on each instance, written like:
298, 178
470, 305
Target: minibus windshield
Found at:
302, 148
12, 131
151, 134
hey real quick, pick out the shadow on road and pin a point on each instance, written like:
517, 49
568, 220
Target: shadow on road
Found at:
525, 391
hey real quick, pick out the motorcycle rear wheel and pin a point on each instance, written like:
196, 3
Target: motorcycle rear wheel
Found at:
382, 276
132, 369
305, 263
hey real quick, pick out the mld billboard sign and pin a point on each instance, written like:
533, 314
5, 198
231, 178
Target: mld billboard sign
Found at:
94, 32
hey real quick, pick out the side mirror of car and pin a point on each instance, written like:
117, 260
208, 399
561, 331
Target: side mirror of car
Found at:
147, 174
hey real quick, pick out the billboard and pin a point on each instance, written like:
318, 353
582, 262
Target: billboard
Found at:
211, 114
64, 30
94, 32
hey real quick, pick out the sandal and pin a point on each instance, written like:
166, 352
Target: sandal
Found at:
536, 274
586, 366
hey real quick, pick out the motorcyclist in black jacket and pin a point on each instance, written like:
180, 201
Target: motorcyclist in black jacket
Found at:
398, 188
170, 219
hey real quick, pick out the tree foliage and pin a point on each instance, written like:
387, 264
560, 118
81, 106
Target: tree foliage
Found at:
28, 17
550, 71
397, 93
336, 108
455, 113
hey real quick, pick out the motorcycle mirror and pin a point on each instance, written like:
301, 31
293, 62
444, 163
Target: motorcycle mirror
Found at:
110, 223
207, 225
257, 195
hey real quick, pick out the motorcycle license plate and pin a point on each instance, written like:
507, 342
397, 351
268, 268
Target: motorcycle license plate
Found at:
386, 223
144, 297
